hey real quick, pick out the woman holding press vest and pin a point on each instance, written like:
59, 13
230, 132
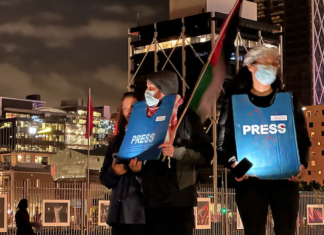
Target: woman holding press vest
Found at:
126, 213
260, 81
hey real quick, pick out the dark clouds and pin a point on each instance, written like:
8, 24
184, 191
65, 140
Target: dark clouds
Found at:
60, 48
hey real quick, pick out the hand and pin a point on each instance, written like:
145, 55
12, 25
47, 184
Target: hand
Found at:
119, 169
135, 166
298, 178
167, 149
245, 177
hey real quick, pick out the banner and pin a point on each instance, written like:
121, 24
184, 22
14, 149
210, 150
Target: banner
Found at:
267, 137
144, 135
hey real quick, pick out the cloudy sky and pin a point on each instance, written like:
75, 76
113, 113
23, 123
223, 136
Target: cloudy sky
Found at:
60, 48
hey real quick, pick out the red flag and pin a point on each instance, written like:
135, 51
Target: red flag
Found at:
89, 123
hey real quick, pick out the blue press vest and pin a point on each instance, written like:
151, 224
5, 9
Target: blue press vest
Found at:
144, 135
267, 136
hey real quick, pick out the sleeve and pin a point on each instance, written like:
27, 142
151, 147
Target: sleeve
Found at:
200, 149
226, 145
303, 140
107, 175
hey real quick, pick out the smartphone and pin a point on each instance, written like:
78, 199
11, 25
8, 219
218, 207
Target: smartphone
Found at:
242, 168
121, 161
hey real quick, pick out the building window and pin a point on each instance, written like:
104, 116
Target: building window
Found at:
313, 154
312, 134
319, 172
7, 158
38, 159
322, 133
309, 173
28, 159
313, 163
20, 159
322, 123
44, 161
37, 183
308, 114
319, 143
311, 124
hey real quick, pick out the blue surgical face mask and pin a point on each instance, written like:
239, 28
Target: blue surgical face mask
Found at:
266, 74
151, 101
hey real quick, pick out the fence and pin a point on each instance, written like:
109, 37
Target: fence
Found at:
79, 224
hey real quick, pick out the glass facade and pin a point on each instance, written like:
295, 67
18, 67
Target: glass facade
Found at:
38, 136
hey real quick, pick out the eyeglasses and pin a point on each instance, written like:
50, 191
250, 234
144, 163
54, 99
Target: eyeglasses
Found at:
275, 65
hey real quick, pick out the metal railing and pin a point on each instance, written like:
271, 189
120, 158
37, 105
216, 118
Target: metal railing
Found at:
82, 223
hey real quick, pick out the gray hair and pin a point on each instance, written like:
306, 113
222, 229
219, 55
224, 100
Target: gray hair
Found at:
260, 52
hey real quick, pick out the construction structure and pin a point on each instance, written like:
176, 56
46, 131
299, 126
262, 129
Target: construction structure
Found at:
183, 46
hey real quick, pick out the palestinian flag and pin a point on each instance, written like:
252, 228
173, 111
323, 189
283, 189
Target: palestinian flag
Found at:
213, 74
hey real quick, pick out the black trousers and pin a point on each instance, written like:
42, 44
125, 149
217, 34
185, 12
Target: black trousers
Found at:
170, 221
128, 229
253, 198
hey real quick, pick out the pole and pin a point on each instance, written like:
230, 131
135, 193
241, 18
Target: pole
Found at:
183, 59
215, 178
226, 203
203, 71
88, 172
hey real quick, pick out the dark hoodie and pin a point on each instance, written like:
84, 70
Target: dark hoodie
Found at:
173, 183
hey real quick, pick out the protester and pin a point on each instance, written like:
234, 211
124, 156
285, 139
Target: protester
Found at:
169, 187
260, 80
126, 214
24, 226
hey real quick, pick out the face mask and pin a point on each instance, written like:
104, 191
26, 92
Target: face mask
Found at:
266, 74
151, 101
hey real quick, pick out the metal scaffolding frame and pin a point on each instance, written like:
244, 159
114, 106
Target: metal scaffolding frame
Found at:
318, 50
214, 119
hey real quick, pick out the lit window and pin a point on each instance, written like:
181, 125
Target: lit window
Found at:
28, 159
37, 183
319, 143
313, 163
312, 134
319, 172
20, 158
308, 114
38, 159
313, 154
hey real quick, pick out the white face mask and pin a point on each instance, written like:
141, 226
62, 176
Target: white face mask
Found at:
151, 101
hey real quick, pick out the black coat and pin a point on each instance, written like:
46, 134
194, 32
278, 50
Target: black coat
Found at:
226, 146
173, 183
23, 224
126, 204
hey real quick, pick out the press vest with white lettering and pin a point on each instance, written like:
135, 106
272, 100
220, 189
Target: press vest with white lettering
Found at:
144, 135
267, 136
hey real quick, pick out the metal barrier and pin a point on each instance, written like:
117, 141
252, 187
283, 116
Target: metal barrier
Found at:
80, 224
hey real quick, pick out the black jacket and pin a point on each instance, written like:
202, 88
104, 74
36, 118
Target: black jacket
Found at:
23, 224
126, 202
172, 183
226, 146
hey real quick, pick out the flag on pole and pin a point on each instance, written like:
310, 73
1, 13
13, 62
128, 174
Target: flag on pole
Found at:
89, 122
213, 74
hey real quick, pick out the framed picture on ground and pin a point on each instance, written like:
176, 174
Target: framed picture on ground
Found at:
103, 208
202, 218
239, 224
56, 213
3, 213
315, 215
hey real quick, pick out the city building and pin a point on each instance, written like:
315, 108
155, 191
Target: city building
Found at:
315, 123
270, 11
31, 133
184, 44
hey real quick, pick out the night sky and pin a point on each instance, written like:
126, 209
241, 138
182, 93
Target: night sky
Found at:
60, 48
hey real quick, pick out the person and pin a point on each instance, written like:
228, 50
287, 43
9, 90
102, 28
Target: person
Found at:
37, 216
169, 186
260, 80
126, 212
24, 226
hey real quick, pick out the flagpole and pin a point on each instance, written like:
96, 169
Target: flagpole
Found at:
88, 171
203, 72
